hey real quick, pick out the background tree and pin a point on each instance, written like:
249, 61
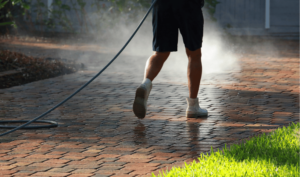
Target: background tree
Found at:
11, 12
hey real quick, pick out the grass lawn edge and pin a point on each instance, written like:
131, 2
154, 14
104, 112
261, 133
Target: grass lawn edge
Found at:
274, 167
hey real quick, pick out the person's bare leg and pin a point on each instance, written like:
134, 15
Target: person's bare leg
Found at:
194, 71
194, 76
154, 64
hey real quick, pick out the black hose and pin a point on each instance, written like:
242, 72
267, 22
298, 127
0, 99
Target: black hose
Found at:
86, 84
51, 124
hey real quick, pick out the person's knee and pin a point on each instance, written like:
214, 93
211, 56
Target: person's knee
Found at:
161, 55
194, 55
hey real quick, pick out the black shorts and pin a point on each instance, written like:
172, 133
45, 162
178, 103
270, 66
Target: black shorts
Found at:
171, 15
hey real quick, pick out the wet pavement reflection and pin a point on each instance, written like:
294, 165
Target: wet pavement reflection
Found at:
98, 133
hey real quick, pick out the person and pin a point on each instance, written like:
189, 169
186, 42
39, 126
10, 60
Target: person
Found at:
169, 16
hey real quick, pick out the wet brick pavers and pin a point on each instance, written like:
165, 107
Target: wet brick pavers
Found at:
98, 134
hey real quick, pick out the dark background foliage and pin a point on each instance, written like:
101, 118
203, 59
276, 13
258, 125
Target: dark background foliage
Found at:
12, 13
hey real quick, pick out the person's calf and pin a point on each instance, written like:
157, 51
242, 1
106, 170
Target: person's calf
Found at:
154, 64
194, 72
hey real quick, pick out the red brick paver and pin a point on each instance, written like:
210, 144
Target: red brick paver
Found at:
98, 135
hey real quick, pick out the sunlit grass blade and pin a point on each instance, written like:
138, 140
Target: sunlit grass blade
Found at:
272, 155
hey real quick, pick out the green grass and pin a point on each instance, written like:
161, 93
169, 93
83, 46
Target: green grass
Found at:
276, 154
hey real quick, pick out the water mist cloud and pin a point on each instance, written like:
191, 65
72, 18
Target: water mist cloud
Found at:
218, 54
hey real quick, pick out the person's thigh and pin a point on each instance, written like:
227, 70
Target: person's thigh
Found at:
165, 27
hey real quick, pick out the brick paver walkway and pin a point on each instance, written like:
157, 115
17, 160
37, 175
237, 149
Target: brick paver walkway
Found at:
98, 134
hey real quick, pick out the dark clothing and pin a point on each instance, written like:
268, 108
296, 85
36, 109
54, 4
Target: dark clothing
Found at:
171, 15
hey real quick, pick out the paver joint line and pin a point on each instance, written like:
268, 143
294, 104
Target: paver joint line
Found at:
87, 83
113, 142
